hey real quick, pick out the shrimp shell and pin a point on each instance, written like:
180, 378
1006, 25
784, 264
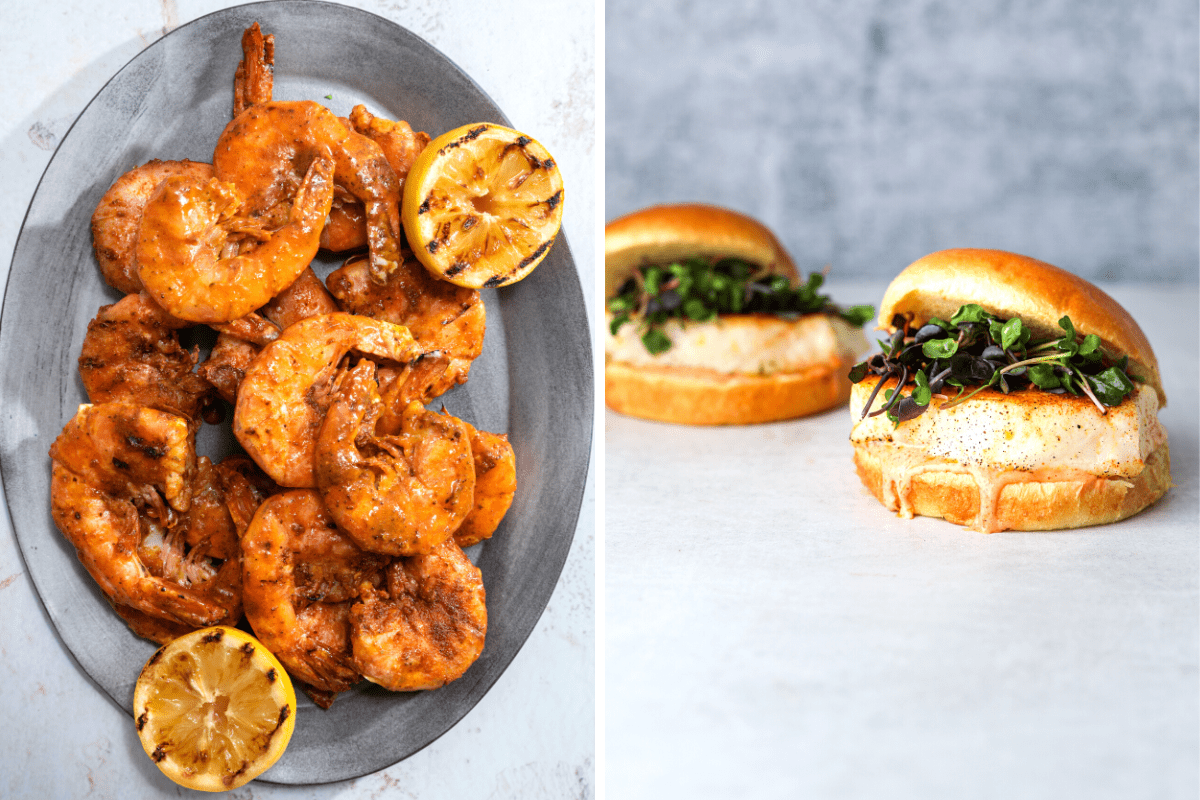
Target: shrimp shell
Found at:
132, 353
402, 494
427, 628
265, 148
299, 577
109, 465
182, 238
440, 315
495, 486
286, 388
118, 216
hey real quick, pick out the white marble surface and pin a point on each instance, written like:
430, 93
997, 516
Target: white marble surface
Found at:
533, 735
771, 631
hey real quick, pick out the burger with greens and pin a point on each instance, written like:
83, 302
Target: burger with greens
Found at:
1009, 394
708, 322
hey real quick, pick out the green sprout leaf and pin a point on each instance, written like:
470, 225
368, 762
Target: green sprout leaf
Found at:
1110, 386
1089, 348
1044, 376
1011, 332
858, 315
698, 289
939, 348
921, 394
653, 276
969, 313
656, 341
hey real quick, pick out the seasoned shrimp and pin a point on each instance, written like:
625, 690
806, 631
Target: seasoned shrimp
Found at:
495, 485
419, 381
306, 297
265, 148
401, 494
253, 328
300, 575
254, 80
200, 550
235, 348
238, 342
347, 226
245, 487
110, 465
440, 315
132, 353
226, 365
427, 628
116, 220
146, 626
286, 389
184, 231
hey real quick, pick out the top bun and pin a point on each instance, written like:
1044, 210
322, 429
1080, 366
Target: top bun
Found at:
662, 234
1008, 285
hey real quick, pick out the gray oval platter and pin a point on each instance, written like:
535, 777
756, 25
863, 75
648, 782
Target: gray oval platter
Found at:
533, 381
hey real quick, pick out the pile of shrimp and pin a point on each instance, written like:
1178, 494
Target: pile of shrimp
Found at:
338, 536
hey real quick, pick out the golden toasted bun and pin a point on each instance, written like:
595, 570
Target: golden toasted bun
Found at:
661, 234
1010, 285
1025, 506
707, 397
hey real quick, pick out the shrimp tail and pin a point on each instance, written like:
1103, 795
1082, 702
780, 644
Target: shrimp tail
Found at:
254, 80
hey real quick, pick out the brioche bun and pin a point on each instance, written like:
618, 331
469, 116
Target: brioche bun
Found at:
903, 473
1009, 285
1025, 506
662, 234
707, 397
696, 395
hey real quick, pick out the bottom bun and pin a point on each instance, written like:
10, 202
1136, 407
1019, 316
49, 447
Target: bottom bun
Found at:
706, 397
1023, 505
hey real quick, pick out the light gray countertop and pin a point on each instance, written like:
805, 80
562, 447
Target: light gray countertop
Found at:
772, 631
533, 734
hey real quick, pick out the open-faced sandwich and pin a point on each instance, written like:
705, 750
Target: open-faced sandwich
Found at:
708, 324
1010, 394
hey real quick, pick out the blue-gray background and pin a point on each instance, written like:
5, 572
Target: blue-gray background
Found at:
867, 134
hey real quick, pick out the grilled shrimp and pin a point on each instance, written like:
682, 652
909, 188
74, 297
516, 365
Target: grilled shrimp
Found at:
495, 485
226, 365
112, 464
265, 149
286, 389
200, 549
427, 628
402, 494
347, 226
149, 627
131, 353
253, 328
300, 575
182, 241
236, 348
306, 297
440, 315
116, 219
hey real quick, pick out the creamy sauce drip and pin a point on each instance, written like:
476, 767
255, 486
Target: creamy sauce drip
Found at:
898, 469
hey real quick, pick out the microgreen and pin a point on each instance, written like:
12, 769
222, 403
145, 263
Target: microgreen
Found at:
975, 351
698, 289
